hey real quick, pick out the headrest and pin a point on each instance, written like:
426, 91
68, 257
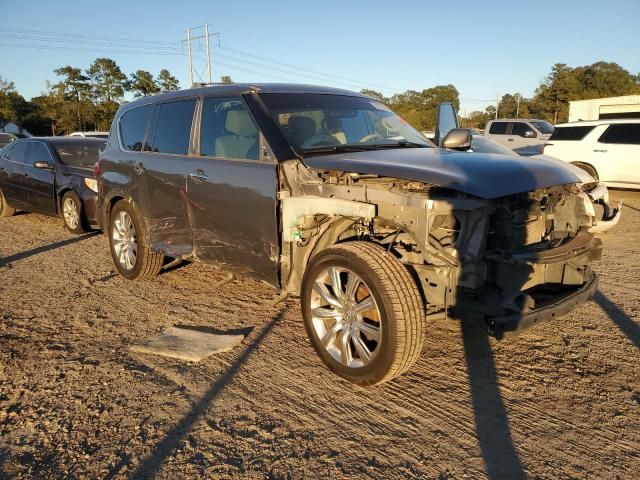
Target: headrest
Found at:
239, 122
302, 128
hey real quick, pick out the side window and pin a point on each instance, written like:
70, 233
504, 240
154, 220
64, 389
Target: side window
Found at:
624, 133
498, 128
133, 127
519, 128
570, 133
173, 127
227, 130
38, 153
18, 152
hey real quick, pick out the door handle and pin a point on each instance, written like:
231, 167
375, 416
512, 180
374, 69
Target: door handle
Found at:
600, 151
509, 139
139, 168
198, 175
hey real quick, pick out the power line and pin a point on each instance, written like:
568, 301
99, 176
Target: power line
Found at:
78, 35
79, 49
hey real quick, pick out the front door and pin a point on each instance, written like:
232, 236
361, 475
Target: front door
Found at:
162, 169
40, 182
232, 191
12, 172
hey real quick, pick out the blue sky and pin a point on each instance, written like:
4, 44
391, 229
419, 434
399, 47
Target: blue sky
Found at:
482, 47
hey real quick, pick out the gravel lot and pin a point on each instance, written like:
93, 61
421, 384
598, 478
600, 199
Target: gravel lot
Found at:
560, 401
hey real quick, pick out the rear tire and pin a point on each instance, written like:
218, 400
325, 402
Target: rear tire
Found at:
366, 346
73, 213
129, 244
5, 209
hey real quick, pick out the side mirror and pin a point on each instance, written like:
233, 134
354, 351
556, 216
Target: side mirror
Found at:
530, 134
458, 139
42, 165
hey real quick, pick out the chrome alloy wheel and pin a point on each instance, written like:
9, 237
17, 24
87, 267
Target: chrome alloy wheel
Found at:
71, 213
125, 245
346, 317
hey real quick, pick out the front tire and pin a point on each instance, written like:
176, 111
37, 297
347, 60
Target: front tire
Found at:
5, 209
73, 213
129, 244
363, 312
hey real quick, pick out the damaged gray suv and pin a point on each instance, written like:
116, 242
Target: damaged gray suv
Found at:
329, 195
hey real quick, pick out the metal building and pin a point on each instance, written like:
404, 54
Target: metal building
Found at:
627, 106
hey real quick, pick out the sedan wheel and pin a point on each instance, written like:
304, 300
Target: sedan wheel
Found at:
72, 213
124, 237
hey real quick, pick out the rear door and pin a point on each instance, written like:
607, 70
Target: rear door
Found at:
12, 171
619, 148
40, 182
163, 168
231, 190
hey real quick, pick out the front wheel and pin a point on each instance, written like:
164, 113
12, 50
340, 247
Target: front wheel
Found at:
363, 312
130, 245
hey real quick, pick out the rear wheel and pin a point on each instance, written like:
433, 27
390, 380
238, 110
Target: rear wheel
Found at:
5, 209
129, 244
72, 213
363, 312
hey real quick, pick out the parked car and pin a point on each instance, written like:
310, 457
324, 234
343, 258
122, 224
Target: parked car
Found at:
53, 176
523, 136
92, 134
608, 150
597, 191
7, 138
329, 195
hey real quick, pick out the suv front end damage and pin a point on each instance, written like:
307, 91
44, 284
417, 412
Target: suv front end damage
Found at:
515, 260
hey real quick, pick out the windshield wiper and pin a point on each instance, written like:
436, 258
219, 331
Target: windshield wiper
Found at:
402, 144
338, 148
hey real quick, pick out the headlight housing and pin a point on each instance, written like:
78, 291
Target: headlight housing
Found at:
91, 184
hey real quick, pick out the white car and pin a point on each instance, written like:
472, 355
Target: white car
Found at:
609, 150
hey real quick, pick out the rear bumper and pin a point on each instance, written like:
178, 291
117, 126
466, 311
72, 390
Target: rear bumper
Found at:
511, 325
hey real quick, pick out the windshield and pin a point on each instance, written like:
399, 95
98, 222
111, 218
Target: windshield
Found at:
319, 122
79, 153
486, 145
544, 126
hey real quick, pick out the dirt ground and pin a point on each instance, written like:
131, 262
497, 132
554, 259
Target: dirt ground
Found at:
560, 401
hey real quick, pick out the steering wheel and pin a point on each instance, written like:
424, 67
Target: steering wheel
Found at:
370, 137
320, 140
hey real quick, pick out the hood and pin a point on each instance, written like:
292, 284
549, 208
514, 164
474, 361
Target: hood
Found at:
577, 171
479, 174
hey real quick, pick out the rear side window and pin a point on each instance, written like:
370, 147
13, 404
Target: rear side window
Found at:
570, 133
17, 153
625, 133
519, 128
498, 128
173, 127
79, 154
133, 127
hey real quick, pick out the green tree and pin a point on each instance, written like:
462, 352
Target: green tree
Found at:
226, 79
167, 82
376, 95
108, 84
420, 108
75, 92
142, 84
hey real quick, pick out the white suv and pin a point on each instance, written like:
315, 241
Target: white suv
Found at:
608, 149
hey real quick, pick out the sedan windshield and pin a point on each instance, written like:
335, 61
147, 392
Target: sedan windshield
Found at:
335, 123
79, 153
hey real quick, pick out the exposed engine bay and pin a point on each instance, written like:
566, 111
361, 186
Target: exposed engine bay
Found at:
502, 258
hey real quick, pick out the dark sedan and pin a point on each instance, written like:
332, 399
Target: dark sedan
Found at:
53, 176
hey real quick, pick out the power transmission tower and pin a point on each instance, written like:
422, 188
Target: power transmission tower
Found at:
194, 43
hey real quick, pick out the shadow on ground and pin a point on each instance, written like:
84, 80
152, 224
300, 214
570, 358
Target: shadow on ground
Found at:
44, 248
624, 322
499, 453
150, 466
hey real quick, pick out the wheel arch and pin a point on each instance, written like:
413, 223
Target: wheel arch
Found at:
588, 167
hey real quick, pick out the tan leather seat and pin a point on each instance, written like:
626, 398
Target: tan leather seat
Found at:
242, 137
